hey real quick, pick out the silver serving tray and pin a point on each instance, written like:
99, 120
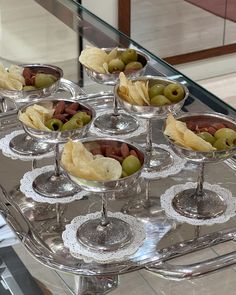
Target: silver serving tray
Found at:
165, 238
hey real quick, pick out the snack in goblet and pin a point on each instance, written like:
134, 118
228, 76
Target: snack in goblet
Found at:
23, 83
104, 66
151, 97
201, 138
55, 121
103, 165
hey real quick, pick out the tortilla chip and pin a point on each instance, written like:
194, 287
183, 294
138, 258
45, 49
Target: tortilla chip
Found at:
23, 117
140, 85
197, 143
112, 54
36, 118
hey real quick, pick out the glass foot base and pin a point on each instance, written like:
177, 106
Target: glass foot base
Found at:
25, 145
120, 124
143, 208
34, 211
188, 204
158, 160
95, 285
52, 186
113, 236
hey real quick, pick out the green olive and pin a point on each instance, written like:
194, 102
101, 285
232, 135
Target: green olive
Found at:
159, 100
129, 55
29, 88
44, 80
83, 116
133, 66
116, 65
207, 137
54, 124
73, 123
156, 89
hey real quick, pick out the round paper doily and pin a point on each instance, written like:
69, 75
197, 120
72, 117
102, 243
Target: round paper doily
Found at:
140, 130
27, 189
167, 197
81, 252
7, 152
175, 168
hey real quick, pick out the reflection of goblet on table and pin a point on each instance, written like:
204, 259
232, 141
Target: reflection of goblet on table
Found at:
202, 203
24, 144
106, 233
157, 159
117, 123
55, 184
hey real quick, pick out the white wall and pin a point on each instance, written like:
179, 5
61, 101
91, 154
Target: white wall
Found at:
105, 9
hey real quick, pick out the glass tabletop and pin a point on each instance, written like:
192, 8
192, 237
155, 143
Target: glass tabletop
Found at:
55, 32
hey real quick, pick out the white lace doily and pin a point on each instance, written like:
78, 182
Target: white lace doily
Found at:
167, 197
140, 130
7, 152
175, 168
27, 189
81, 252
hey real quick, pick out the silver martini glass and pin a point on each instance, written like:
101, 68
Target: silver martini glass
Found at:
24, 144
200, 203
116, 123
106, 233
55, 183
157, 159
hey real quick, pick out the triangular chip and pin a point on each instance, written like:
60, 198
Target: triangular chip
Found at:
23, 117
36, 118
140, 85
197, 143
46, 113
112, 54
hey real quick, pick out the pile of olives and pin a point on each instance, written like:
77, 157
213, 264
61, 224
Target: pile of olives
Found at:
68, 117
161, 95
127, 61
37, 80
129, 159
218, 134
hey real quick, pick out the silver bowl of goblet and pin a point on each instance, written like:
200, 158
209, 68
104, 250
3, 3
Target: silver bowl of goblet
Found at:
27, 94
201, 203
157, 159
107, 233
23, 144
112, 78
116, 123
55, 184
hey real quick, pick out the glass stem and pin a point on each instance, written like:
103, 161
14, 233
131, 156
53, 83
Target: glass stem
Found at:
200, 180
104, 219
147, 190
56, 160
58, 209
4, 104
34, 164
149, 136
115, 106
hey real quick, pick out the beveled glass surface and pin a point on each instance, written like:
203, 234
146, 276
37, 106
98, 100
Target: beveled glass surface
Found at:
86, 28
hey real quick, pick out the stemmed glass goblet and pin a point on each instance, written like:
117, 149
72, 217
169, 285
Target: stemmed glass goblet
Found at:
157, 159
106, 233
116, 123
56, 184
24, 144
201, 203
